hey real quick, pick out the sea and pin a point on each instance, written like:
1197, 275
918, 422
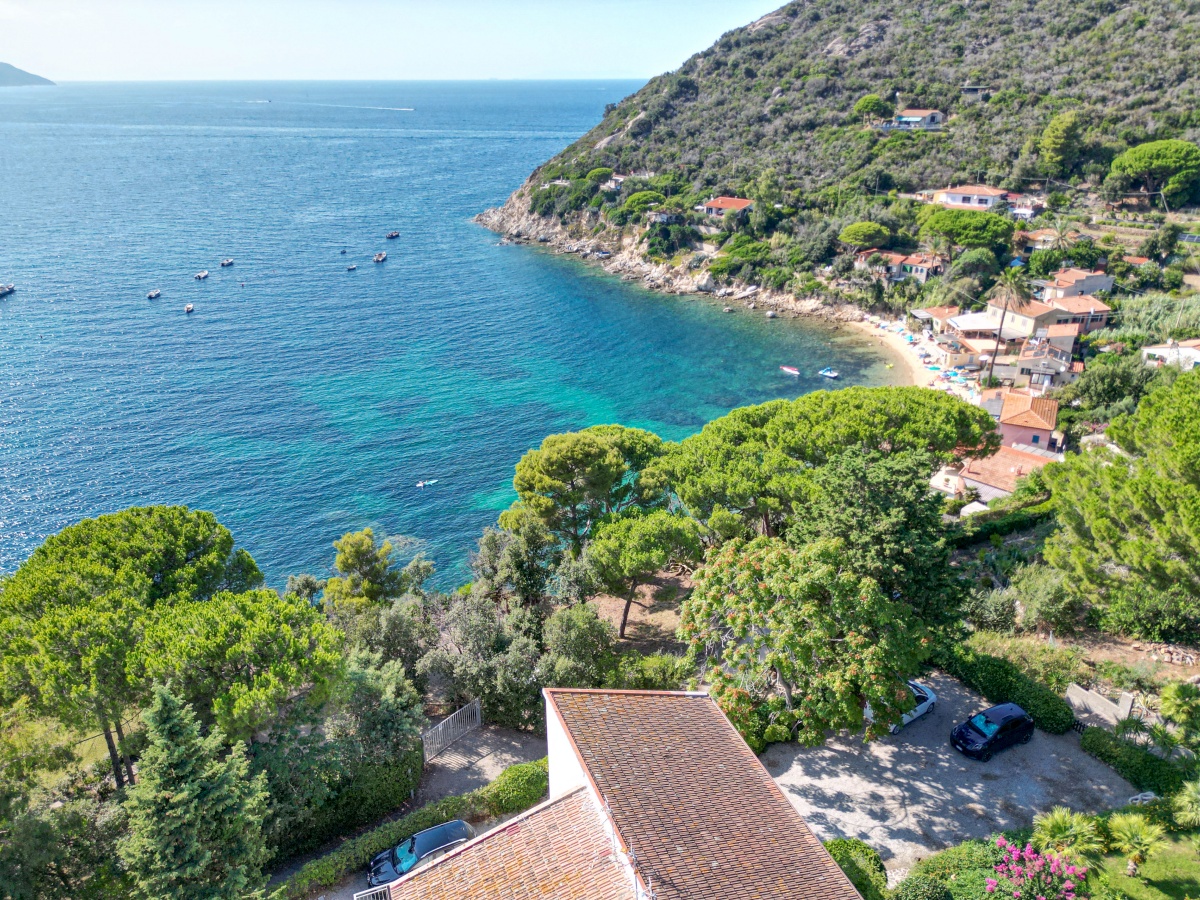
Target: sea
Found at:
302, 399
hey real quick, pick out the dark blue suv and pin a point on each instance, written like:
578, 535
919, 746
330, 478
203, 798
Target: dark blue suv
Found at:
424, 846
993, 729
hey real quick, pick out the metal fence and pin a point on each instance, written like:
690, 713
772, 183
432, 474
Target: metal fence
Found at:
450, 729
383, 892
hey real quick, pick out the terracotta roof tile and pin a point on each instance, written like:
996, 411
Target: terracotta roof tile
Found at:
1080, 304
692, 802
558, 851
729, 203
976, 190
1026, 411
1068, 277
1065, 329
942, 312
1002, 469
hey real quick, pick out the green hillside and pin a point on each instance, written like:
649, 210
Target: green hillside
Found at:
781, 92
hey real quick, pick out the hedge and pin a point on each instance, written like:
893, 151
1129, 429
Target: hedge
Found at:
518, 788
1002, 682
862, 865
921, 887
1137, 765
980, 527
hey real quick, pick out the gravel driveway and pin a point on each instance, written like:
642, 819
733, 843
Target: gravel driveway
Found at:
910, 794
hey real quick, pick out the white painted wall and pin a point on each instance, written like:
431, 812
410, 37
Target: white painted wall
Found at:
566, 772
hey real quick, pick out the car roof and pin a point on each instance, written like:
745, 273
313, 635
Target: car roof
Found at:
1004, 712
441, 835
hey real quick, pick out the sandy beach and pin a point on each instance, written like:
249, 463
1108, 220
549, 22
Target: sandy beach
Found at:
905, 355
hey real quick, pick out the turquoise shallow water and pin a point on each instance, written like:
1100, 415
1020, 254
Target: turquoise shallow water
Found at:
300, 400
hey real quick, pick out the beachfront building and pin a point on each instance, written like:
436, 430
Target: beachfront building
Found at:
883, 263
935, 319
970, 196
1024, 418
1185, 354
719, 207
653, 796
1073, 283
922, 266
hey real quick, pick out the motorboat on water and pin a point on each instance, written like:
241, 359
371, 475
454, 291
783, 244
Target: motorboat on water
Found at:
343, 253
392, 235
200, 276
380, 256
425, 484
226, 263
154, 294
188, 309
6, 289
791, 370
828, 372
351, 268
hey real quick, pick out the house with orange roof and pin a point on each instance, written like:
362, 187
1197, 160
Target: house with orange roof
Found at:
970, 196
653, 796
1073, 283
922, 266
882, 262
935, 318
1024, 417
993, 477
1083, 310
918, 119
718, 207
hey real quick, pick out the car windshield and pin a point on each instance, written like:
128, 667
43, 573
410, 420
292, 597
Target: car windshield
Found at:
404, 857
985, 726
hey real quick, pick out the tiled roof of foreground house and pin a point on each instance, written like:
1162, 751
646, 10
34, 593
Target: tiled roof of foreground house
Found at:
654, 796
1028, 411
1003, 468
559, 850
691, 802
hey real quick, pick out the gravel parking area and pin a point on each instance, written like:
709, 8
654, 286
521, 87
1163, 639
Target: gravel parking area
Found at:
910, 794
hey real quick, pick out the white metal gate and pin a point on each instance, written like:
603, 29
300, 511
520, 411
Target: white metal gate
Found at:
383, 892
451, 728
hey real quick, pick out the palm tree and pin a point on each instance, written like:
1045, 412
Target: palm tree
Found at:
1062, 239
1187, 805
1066, 833
1014, 290
1135, 837
940, 245
1164, 740
1180, 702
1131, 727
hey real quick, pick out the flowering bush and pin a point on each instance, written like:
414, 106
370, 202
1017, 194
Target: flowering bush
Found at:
1029, 875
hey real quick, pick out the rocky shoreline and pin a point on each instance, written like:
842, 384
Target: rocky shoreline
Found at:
516, 224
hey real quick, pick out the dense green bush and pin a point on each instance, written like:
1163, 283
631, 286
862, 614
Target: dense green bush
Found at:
1056, 667
947, 865
862, 866
652, 672
981, 527
1002, 682
921, 887
1137, 765
518, 787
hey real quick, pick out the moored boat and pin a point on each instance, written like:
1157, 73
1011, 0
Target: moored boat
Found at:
380, 256
791, 370
201, 275
188, 308
351, 268
154, 294
6, 289
392, 235
828, 372
226, 263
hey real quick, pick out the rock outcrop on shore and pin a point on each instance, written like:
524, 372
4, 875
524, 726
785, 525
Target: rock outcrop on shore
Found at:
618, 252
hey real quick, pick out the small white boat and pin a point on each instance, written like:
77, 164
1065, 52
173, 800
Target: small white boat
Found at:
351, 268
392, 235
424, 484
154, 294
188, 308
828, 372
200, 276
226, 263
380, 256
791, 370
6, 289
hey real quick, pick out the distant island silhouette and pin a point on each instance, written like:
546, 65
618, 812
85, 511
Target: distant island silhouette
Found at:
11, 76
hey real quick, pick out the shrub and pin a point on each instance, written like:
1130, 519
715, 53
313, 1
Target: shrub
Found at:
1055, 667
862, 866
955, 861
1002, 682
981, 527
1137, 765
518, 788
991, 611
921, 887
652, 672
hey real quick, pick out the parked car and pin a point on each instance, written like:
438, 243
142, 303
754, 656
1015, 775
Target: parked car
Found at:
423, 847
925, 698
993, 729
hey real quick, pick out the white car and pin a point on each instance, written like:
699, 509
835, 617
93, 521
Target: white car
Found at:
926, 701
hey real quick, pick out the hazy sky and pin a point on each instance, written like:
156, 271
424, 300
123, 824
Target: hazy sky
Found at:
147, 40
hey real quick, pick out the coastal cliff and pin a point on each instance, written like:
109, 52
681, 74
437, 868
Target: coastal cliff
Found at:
11, 76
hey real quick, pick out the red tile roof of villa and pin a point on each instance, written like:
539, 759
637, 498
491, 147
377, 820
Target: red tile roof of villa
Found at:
737, 203
691, 802
1002, 469
894, 259
559, 850
1136, 260
1027, 411
942, 312
915, 112
922, 259
1033, 308
1079, 304
980, 190
1064, 329
1067, 277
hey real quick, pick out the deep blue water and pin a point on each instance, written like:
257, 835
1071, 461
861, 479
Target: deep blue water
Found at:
300, 401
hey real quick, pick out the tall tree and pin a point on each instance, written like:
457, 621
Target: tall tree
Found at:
1170, 166
1060, 144
1014, 292
627, 551
369, 571
890, 525
764, 615
239, 659
72, 613
196, 815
